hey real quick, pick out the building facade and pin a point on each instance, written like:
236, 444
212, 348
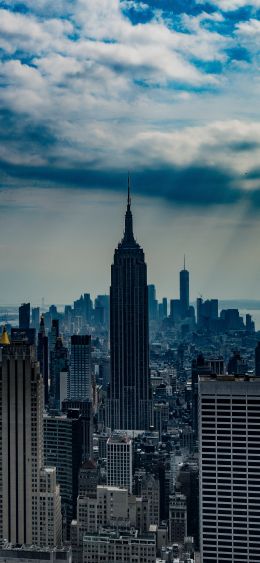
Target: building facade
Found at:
80, 374
119, 546
22, 491
229, 425
120, 461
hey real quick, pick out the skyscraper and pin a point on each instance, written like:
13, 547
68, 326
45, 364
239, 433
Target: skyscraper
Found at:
80, 376
24, 517
43, 359
184, 291
120, 461
20, 447
130, 393
36, 318
229, 421
59, 367
24, 315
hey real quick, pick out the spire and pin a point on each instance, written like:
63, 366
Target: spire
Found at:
128, 193
4, 338
128, 238
184, 265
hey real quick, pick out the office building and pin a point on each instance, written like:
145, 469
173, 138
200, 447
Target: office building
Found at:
177, 518
24, 316
150, 491
175, 310
59, 369
207, 313
43, 358
120, 461
20, 446
53, 334
50, 519
85, 409
36, 318
229, 422
26, 335
63, 450
22, 520
152, 303
10, 553
119, 546
108, 507
88, 479
130, 391
80, 373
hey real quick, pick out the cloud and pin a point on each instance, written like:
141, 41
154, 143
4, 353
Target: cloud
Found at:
87, 92
229, 5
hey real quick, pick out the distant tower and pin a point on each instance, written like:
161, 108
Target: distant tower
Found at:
130, 393
24, 316
36, 318
184, 291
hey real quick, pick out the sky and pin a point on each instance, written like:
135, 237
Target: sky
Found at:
168, 90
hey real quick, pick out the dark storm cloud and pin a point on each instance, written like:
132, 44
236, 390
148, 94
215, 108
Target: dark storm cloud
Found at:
191, 186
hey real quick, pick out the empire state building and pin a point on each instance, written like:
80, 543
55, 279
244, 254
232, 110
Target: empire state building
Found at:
130, 391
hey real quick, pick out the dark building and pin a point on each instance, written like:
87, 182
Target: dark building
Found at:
207, 313
101, 313
88, 479
232, 319
86, 416
80, 373
36, 318
26, 335
63, 450
53, 334
59, 366
43, 358
184, 292
188, 485
175, 310
24, 316
130, 392
236, 364
257, 360
152, 303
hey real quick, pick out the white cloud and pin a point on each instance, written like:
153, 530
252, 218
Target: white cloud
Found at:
229, 5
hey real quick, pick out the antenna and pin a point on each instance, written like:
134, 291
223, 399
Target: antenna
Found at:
128, 191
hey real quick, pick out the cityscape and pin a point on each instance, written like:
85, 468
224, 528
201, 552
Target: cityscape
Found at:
129, 281
129, 427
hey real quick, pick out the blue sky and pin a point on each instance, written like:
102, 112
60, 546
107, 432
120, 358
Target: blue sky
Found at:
167, 89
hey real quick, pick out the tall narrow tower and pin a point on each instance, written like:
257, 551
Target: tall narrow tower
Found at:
184, 291
130, 393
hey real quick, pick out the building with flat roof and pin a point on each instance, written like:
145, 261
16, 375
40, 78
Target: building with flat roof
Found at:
116, 546
120, 461
229, 444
